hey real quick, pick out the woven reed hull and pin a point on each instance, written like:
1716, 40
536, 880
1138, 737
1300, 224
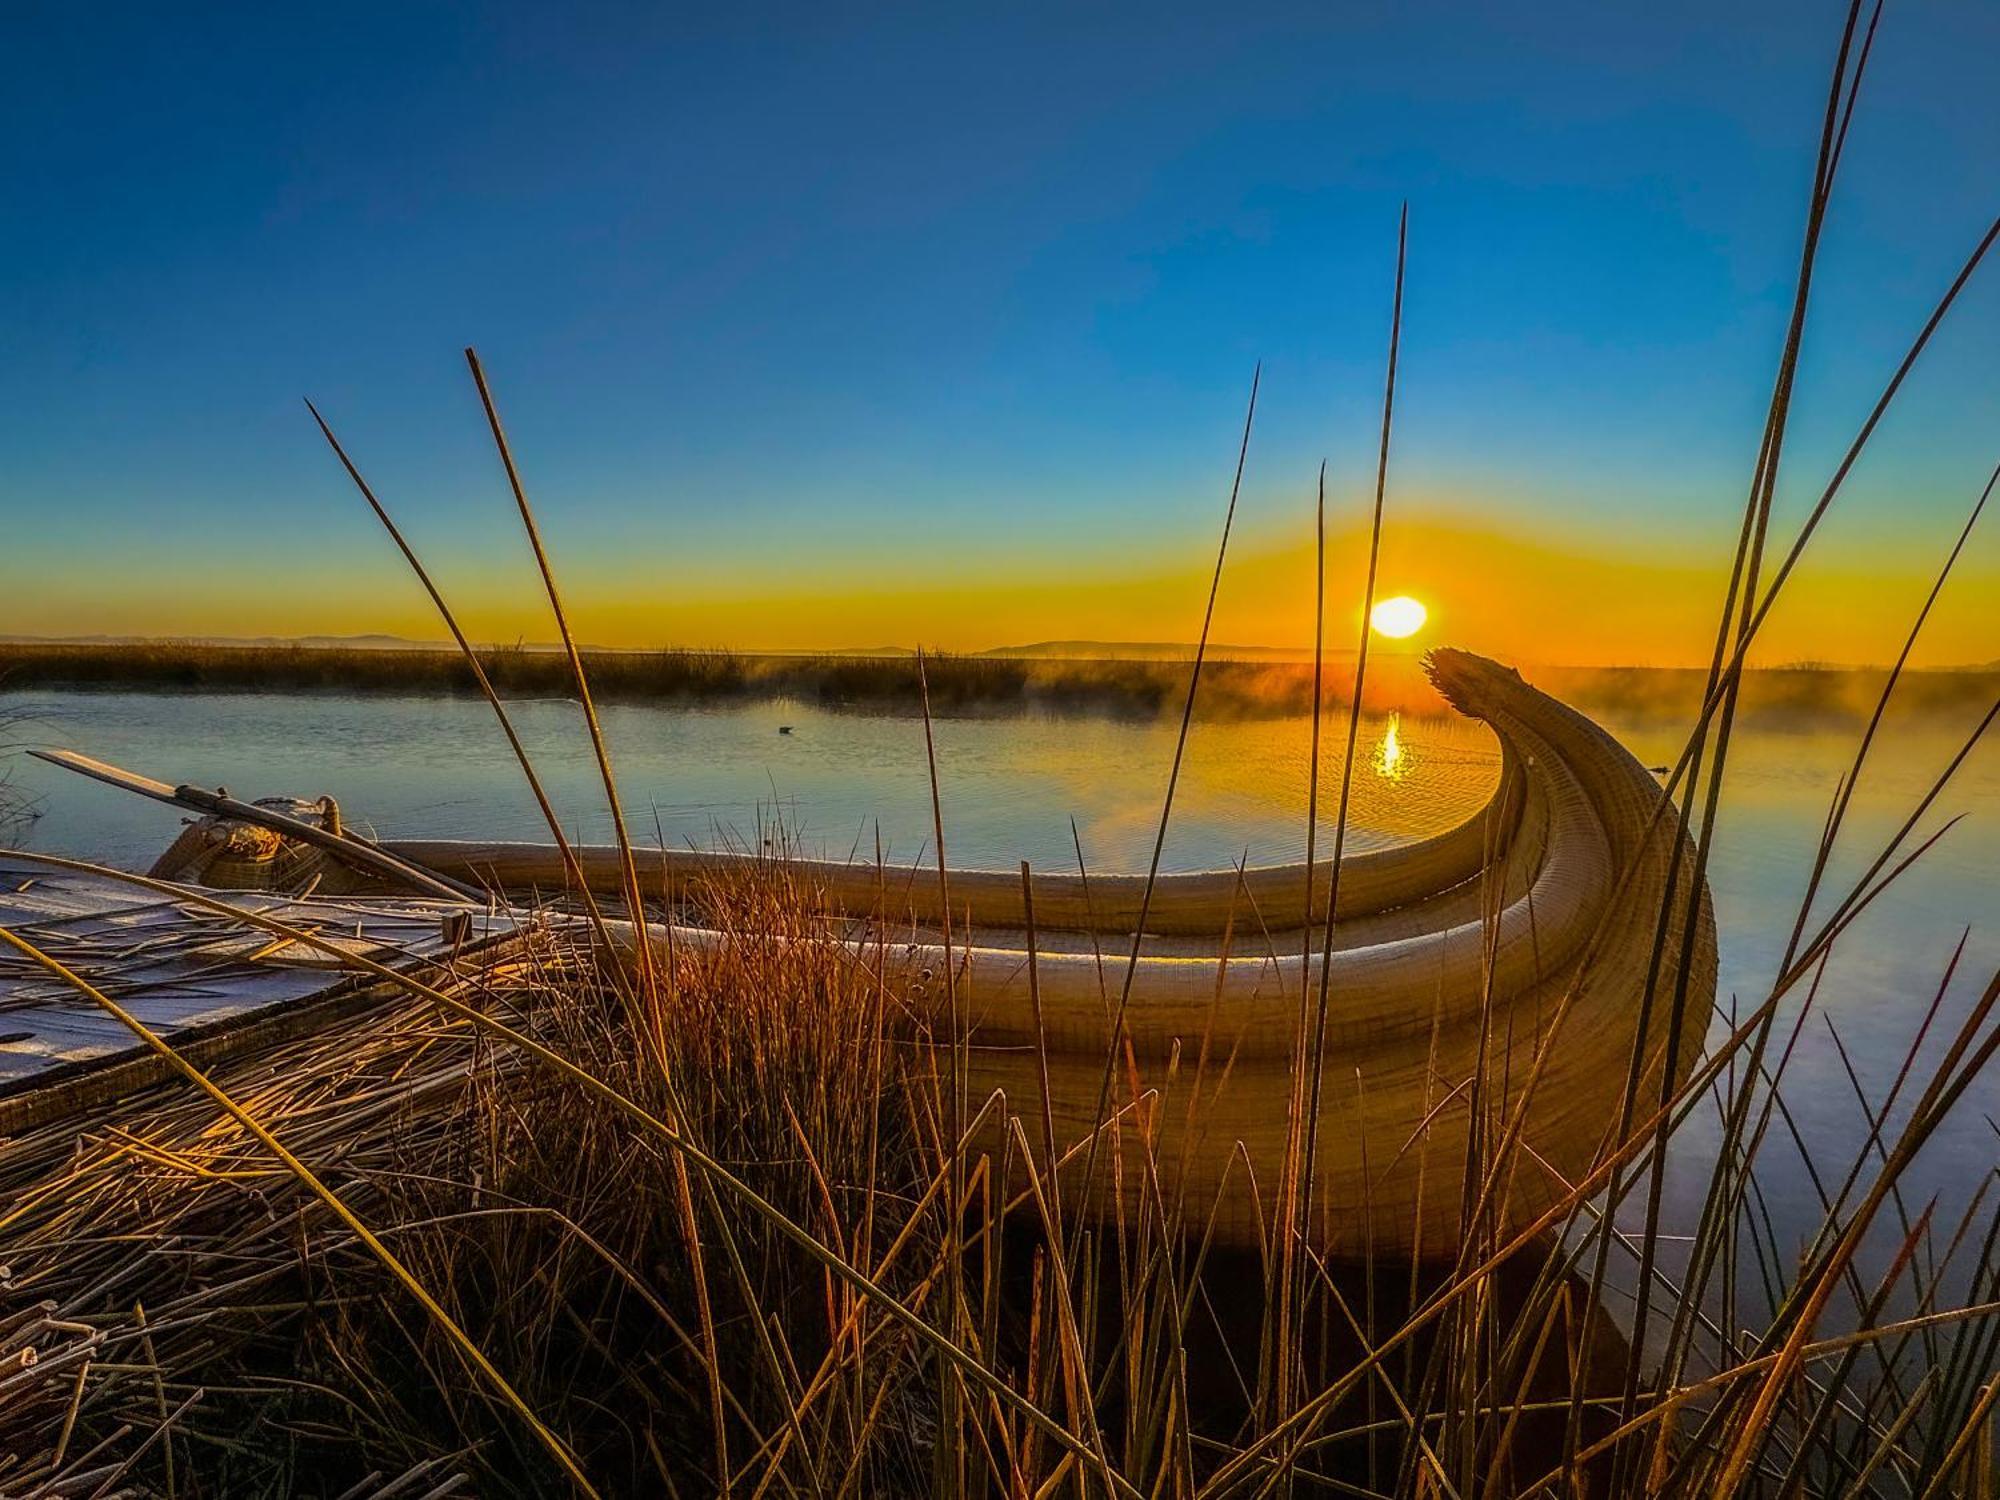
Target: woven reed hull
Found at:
1197, 905
1505, 959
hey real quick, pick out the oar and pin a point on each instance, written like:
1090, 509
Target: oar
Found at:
346, 847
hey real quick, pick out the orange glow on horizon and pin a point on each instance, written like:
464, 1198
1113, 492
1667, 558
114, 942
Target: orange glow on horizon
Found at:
1510, 595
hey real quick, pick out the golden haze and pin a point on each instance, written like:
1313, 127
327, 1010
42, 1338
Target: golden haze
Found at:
1504, 594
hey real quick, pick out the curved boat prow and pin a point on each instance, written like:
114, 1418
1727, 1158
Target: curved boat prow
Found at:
1517, 994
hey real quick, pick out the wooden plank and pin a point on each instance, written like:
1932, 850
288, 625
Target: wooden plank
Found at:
77, 1088
110, 775
189, 975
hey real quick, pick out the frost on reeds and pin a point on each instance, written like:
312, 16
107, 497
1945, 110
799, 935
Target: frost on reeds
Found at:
540, 1221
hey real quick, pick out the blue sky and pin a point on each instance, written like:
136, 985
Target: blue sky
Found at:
785, 306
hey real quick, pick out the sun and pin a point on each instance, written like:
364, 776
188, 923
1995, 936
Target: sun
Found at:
1398, 618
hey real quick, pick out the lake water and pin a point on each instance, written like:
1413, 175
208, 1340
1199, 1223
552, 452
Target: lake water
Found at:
432, 766
1012, 785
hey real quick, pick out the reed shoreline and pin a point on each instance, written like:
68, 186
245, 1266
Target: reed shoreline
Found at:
1231, 688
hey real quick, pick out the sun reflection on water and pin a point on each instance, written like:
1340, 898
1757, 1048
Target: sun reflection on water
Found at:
1391, 764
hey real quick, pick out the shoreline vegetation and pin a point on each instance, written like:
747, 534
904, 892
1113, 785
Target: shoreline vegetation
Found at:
1232, 687
17, 809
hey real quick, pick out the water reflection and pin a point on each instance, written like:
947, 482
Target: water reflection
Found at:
1390, 762
430, 767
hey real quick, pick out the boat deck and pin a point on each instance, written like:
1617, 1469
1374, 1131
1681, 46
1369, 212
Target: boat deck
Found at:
194, 977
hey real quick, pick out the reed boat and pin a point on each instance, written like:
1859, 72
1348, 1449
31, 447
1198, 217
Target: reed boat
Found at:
1492, 975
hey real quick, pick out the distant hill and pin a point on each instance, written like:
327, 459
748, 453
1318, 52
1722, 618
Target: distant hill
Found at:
1039, 650
258, 642
1143, 651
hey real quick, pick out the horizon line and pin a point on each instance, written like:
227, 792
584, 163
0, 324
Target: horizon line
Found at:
1055, 649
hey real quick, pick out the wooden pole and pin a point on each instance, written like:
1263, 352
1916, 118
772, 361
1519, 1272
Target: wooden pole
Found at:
349, 848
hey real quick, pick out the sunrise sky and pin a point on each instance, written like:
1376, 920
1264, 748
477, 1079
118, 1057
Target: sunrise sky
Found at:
937, 328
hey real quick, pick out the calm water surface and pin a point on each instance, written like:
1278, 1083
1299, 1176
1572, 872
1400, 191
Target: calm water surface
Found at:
1012, 786
439, 767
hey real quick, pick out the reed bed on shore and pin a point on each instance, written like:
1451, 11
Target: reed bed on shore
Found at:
166, 1239
1145, 688
849, 1301
959, 684
17, 808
